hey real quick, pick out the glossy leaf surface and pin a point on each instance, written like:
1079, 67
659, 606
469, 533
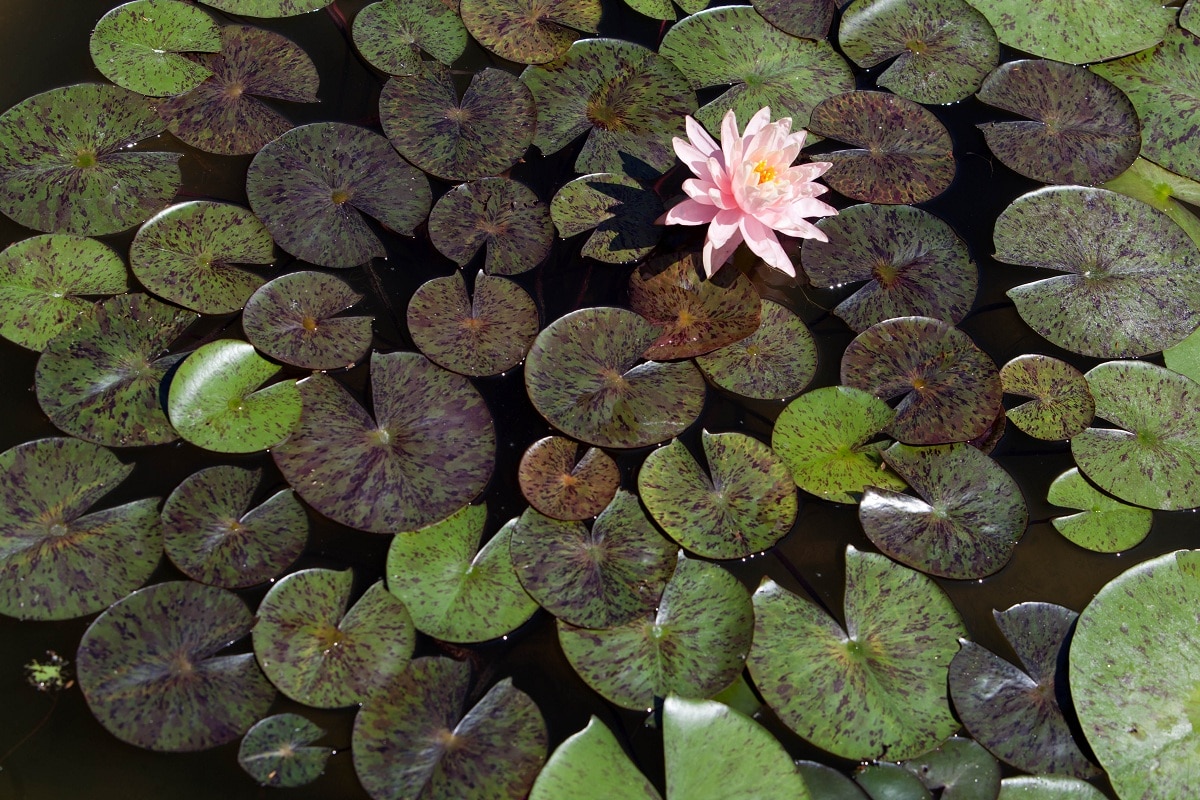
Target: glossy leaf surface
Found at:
293, 319
774, 362
276, 751
560, 486
140, 45
1061, 404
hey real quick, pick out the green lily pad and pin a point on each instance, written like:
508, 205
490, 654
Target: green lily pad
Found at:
1133, 677
597, 578
591, 765
914, 264
905, 155
312, 185
268, 8
140, 45
56, 561
391, 34
1062, 404
776, 361
886, 781
942, 48
1103, 524
66, 165
559, 486
318, 653
291, 319
1152, 457
483, 335
961, 768
826, 783
1082, 129
622, 211
1184, 357
745, 507
808, 19
213, 536
1189, 16
277, 751
1150, 183
889, 663
583, 375
527, 31
1048, 787
429, 450
152, 672
500, 214
100, 379
185, 255
42, 278
455, 590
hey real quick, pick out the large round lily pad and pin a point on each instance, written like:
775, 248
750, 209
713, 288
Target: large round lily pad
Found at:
587, 766
1102, 524
623, 212
775, 362
277, 751
499, 214
561, 486
292, 319
391, 34
529, 31
140, 45
1061, 404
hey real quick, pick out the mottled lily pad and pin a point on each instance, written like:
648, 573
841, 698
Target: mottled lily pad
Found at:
1162, 189
775, 362
391, 34
961, 768
589, 765
529, 31
318, 653
291, 319
268, 8
1103, 524
905, 155
1189, 17
277, 751
560, 486
429, 450
152, 672
1062, 404
808, 19
621, 210
500, 214
312, 185
140, 45
1048, 787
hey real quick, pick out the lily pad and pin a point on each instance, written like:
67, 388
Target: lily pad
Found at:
213, 536
291, 319
1048, 787
1062, 404
57, 561
66, 165
559, 486
429, 450
276, 751
391, 34
1189, 16
826, 783
1082, 129
961, 768
312, 185
1150, 183
776, 361
1103, 524
889, 663
42, 278
500, 214
591, 765
808, 19
483, 335
906, 154
885, 781
100, 379
623, 213
914, 263
140, 45
1184, 357
529, 31
268, 8
583, 375
319, 654
152, 672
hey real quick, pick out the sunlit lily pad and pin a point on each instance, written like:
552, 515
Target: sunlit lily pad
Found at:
152, 672
312, 185
914, 264
1061, 404
1103, 524
619, 208
1189, 17
391, 34
139, 46
42, 278
808, 19
889, 663
583, 375
268, 8
213, 536
100, 379
481, 335
589, 765
528, 31
500, 214
57, 561
318, 653
277, 751
429, 450
1162, 189
775, 362
1048, 787
291, 319
1184, 357
560, 486
960, 768
66, 164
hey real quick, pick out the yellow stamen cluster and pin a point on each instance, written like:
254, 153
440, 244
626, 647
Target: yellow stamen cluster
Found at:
765, 172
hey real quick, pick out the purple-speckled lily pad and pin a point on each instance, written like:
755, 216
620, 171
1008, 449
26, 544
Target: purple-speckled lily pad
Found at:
1150, 183
808, 19
277, 751
1082, 129
499, 213
949, 390
42, 278
429, 450
914, 264
594, 578
967, 521
312, 185
587, 766
56, 561
1103, 524
562, 486
697, 316
223, 115
746, 506
1048, 787
583, 375
1133, 277
622, 211
775, 362
960, 768
888, 663
905, 155
1062, 404
391, 34
418, 739
140, 45
100, 379
268, 8
151, 670
291, 319
1189, 17
529, 31
318, 653
213, 536
66, 165
481, 335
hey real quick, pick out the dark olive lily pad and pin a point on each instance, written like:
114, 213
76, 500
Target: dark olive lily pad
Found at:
914, 264
151, 670
276, 751
808, 19
596, 578
559, 486
291, 319
100, 379
583, 375
500, 214
621, 210
1082, 129
1048, 787
528, 31
267, 8
391, 34
906, 154
775, 362
1062, 404
481, 335
429, 451
312, 185
884, 781
66, 164
961, 768
318, 653
139, 46
56, 561
589, 765
826, 783
889, 663
42, 278
1150, 183
213, 536
1103, 524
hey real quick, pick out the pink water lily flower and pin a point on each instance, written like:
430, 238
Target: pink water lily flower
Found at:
746, 189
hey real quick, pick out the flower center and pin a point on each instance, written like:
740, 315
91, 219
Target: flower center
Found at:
765, 172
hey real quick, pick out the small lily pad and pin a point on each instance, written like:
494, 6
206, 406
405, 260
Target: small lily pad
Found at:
140, 45
589, 765
500, 214
276, 751
268, 8
291, 319
808, 19
960, 767
622, 211
559, 486
1062, 404
529, 31
1103, 524
775, 362
391, 34
1048, 787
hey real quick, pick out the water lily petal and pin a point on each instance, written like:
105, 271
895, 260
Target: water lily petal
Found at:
690, 212
765, 244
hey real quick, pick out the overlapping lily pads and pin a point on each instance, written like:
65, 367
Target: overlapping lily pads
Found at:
621, 210
528, 31
268, 8
960, 768
1102, 524
391, 34
292, 319
1061, 404
560, 486
500, 214
277, 751
1163, 190
587, 766
776, 361
140, 45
